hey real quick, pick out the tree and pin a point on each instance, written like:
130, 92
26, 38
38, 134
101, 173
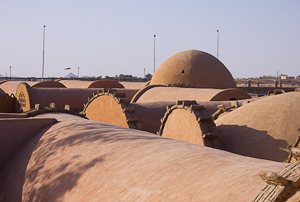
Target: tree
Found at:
267, 77
148, 76
107, 77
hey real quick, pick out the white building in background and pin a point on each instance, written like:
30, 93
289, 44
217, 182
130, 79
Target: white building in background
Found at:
287, 77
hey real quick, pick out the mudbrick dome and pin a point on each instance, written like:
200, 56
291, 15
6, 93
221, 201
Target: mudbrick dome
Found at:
193, 68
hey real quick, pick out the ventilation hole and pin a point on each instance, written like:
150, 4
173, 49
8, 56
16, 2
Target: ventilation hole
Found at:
182, 72
232, 99
22, 99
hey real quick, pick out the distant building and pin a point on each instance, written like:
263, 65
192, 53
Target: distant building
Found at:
287, 77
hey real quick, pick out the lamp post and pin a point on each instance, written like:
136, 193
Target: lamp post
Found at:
218, 44
10, 72
67, 68
154, 53
144, 73
78, 72
43, 53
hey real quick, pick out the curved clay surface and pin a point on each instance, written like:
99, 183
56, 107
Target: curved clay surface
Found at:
181, 125
75, 97
83, 160
16, 131
189, 122
1, 82
106, 109
142, 91
12, 115
176, 93
91, 84
7, 104
262, 129
133, 85
10, 87
193, 68
149, 114
2, 93
48, 84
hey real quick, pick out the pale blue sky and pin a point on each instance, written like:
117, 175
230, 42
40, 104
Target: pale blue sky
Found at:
257, 37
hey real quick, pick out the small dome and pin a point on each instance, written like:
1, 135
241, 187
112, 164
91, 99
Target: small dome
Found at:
193, 68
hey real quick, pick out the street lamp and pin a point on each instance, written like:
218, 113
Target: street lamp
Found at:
43, 53
10, 72
144, 73
67, 68
154, 52
217, 43
78, 72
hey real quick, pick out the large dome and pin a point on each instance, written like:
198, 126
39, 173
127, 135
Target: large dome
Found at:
193, 68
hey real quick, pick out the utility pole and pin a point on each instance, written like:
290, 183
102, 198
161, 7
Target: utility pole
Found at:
43, 53
218, 44
154, 53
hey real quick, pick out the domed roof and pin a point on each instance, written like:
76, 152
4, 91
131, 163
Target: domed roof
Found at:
193, 68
